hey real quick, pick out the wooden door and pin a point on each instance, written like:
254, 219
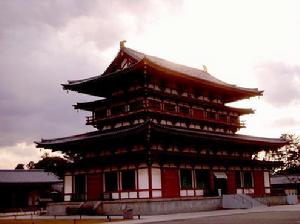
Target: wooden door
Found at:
170, 183
259, 187
94, 186
231, 183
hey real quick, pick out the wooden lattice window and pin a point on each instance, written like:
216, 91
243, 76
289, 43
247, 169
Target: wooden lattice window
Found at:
184, 110
170, 107
211, 115
238, 181
202, 179
154, 104
100, 113
186, 178
248, 180
234, 119
111, 181
128, 180
223, 117
117, 109
198, 113
80, 187
137, 105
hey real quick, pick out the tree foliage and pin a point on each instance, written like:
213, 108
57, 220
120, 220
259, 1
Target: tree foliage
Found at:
288, 154
54, 164
20, 166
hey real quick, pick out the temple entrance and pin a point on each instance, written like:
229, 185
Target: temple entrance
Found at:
80, 188
220, 183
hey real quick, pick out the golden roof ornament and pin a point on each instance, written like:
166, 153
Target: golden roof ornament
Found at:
122, 44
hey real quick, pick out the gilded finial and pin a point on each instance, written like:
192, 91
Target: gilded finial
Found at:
122, 43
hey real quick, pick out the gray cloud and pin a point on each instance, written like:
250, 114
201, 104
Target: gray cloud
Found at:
280, 82
46, 43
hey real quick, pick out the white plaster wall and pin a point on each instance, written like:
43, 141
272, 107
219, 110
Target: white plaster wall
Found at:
115, 195
190, 193
68, 185
144, 194
239, 191
143, 178
156, 178
67, 198
133, 194
156, 193
267, 190
183, 193
249, 191
266, 179
199, 192
124, 195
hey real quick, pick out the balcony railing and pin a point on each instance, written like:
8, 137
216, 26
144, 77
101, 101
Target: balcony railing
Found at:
90, 120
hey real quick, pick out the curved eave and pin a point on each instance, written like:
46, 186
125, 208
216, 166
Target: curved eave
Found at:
96, 85
256, 142
88, 106
83, 140
91, 138
241, 111
236, 92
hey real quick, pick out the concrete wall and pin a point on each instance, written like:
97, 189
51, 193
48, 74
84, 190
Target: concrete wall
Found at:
144, 206
60, 207
161, 206
273, 200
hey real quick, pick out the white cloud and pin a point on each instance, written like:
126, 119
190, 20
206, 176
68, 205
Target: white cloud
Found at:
46, 43
21, 152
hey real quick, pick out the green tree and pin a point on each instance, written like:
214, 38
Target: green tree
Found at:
288, 154
52, 164
20, 166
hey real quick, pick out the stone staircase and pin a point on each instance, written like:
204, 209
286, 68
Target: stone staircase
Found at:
240, 201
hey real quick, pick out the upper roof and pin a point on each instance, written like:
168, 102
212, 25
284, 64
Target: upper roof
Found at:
27, 176
156, 62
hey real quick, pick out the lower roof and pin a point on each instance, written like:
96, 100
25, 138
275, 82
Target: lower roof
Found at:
285, 179
27, 177
86, 139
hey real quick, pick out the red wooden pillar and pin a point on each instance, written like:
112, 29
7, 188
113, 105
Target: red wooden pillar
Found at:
94, 186
170, 183
150, 181
259, 188
212, 182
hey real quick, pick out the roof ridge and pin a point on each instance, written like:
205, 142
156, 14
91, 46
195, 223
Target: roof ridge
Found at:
184, 69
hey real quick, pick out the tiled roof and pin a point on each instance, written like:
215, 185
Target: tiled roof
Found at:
181, 69
234, 138
27, 176
193, 72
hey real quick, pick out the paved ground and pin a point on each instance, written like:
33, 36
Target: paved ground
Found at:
248, 218
286, 214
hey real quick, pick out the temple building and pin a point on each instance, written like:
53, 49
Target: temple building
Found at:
163, 130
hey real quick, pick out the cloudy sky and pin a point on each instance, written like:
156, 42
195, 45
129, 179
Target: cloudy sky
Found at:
44, 43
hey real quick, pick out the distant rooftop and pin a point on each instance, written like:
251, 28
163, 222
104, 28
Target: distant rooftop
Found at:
27, 176
286, 179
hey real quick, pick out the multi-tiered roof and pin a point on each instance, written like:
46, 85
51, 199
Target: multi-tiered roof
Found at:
145, 97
